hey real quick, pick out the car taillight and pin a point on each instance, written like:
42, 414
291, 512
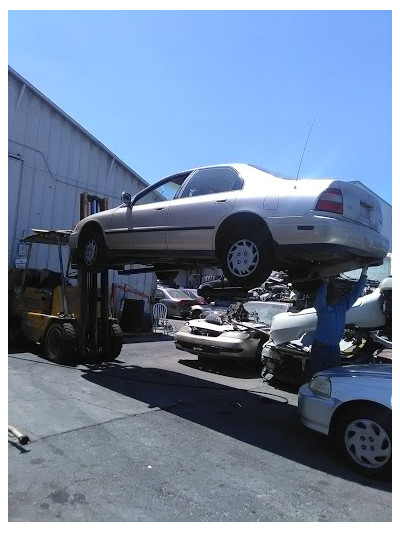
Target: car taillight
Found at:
331, 200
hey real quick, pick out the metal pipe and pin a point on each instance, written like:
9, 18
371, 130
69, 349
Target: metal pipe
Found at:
23, 439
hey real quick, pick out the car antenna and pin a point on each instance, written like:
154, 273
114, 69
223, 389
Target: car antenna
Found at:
305, 146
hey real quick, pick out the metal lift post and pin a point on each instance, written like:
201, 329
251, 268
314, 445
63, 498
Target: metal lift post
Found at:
93, 331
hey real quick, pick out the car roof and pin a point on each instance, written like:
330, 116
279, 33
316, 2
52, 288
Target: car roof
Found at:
239, 166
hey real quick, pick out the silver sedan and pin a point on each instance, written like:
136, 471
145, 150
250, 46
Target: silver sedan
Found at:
353, 405
241, 218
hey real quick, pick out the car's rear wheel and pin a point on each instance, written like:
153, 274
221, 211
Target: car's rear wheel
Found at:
364, 435
247, 257
92, 249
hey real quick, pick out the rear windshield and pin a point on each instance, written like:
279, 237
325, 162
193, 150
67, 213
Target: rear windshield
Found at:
176, 293
272, 172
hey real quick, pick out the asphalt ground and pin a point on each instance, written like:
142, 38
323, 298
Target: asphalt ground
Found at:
156, 436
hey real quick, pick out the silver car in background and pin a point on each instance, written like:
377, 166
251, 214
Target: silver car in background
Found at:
241, 218
353, 405
178, 303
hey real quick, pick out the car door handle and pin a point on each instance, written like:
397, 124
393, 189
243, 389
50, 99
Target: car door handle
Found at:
158, 209
221, 201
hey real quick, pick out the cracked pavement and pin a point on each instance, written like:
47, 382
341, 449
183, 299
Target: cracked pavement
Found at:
157, 437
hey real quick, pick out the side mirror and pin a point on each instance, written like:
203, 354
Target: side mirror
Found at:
126, 197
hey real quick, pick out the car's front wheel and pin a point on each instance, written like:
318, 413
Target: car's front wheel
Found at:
364, 435
247, 258
92, 249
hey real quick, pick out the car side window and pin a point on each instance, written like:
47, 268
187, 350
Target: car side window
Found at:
167, 190
212, 180
158, 294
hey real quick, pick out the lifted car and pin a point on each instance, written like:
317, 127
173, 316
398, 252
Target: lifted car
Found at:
241, 218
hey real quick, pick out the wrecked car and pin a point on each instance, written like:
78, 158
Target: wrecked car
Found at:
238, 333
367, 336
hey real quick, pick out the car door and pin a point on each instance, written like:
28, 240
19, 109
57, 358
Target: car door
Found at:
207, 197
142, 225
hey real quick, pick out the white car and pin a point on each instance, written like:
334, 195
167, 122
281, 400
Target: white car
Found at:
241, 218
353, 406
286, 353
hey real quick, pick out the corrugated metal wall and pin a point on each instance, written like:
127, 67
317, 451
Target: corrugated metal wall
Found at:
52, 160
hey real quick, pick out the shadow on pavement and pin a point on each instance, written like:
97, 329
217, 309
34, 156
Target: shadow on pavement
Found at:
236, 369
267, 421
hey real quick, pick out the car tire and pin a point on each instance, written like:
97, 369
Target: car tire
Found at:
247, 261
60, 342
92, 250
364, 436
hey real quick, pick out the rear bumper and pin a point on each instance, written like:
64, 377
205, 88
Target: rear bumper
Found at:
322, 238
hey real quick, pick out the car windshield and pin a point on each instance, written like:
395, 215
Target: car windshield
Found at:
264, 311
190, 293
177, 293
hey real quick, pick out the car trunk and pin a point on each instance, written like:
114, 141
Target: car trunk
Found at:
360, 205
185, 305
350, 201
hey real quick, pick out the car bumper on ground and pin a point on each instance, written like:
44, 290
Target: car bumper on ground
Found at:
224, 347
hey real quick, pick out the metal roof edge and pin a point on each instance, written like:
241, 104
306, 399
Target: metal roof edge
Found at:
75, 123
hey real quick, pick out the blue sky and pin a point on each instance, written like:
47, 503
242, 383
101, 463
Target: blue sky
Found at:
171, 90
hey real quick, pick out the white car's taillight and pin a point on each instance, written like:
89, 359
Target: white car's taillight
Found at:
331, 200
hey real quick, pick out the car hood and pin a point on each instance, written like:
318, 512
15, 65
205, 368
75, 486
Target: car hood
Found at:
242, 326
382, 371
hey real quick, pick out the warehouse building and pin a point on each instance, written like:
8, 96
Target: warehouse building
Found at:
59, 173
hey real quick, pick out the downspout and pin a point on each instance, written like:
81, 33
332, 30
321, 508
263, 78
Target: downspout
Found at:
14, 234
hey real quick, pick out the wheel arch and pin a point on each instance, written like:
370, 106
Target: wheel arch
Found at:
239, 220
354, 404
91, 225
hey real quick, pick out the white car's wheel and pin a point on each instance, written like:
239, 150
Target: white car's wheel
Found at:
365, 437
247, 260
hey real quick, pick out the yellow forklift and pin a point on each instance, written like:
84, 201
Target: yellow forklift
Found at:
67, 315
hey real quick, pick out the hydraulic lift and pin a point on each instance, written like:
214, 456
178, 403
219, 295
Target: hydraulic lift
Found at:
67, 321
